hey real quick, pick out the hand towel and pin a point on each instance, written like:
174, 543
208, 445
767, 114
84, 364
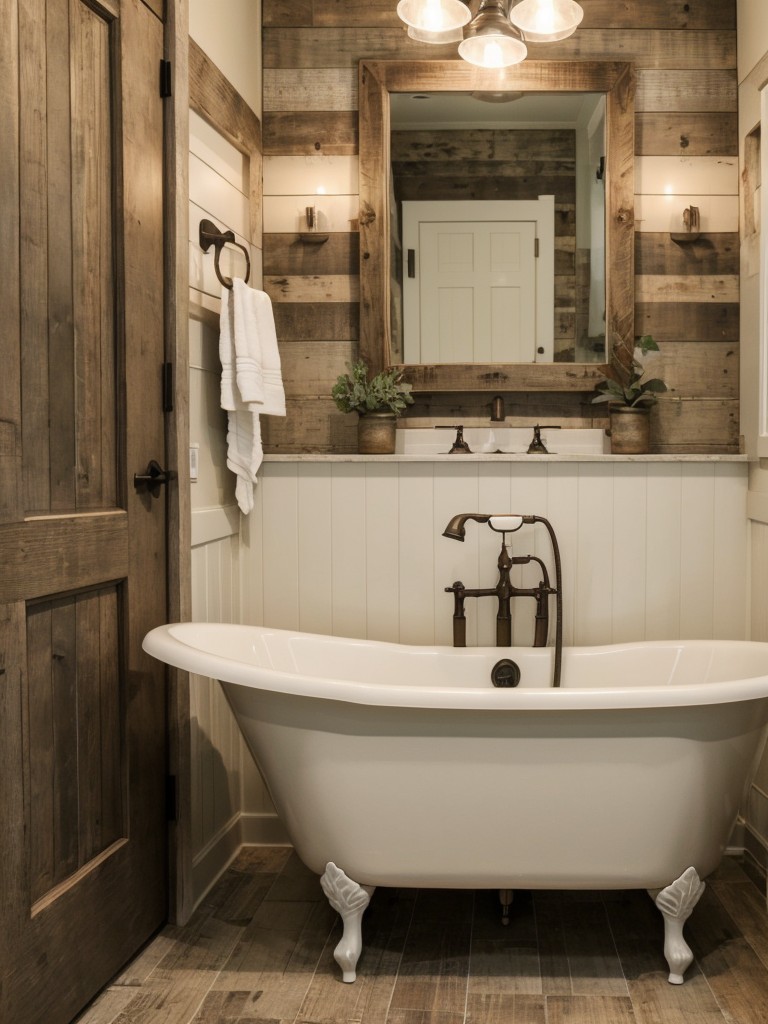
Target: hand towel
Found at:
251, 381
257, 358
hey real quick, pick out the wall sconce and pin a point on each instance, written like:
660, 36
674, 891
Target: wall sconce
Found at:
494, 31
312, 236
692, 226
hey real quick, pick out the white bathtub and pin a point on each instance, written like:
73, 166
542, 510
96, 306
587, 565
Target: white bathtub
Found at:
404, 766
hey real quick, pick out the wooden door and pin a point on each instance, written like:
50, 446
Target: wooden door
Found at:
475, 285
480, 287
82, 710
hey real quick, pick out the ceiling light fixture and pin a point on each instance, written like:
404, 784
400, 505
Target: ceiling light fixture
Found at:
490, 41
434, 17
422, 35
493, 33
546, 21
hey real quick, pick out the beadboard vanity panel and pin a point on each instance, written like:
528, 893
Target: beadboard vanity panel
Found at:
685, 126
651, 550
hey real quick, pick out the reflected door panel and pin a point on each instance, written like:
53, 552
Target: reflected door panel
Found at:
479, 292
479, 278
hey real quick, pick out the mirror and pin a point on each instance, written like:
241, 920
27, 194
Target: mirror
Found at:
497, 199
381, 82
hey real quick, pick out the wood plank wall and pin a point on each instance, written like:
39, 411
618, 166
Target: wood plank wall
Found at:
686, 140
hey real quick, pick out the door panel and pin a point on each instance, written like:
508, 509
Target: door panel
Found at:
68, 290
82, 709
481, 287
480, 277
74, 704
474, 273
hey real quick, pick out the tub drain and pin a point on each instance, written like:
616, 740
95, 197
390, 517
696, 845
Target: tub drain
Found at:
505, 673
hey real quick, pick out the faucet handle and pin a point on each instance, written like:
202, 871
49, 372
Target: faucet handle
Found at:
537, 446
460, 446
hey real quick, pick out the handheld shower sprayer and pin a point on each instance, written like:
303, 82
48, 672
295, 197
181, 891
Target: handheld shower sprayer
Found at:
502, 523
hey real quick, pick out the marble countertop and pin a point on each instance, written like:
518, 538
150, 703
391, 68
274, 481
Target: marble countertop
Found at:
503, 457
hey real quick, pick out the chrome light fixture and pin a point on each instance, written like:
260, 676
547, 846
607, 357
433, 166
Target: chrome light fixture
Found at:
493, 33
490, 41
545, 21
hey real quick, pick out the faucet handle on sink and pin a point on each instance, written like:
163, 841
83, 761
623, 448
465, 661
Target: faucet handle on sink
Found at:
460, 446
537, 446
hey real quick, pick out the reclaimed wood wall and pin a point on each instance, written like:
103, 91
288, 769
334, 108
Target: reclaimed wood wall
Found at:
686, 148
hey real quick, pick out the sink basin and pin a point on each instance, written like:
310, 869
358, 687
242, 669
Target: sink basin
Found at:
503, 440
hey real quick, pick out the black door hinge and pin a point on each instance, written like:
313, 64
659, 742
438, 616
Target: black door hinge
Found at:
170, 798
167, 387
165, 79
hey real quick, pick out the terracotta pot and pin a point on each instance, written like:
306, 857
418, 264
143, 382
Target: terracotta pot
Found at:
376, 433
630, 430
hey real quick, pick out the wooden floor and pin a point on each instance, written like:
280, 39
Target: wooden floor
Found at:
259, 950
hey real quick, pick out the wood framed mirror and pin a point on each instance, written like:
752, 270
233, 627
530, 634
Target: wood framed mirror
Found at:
377, 80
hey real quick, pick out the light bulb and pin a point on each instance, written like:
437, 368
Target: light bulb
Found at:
492, 51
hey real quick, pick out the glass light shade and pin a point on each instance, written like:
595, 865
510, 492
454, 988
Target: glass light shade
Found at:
497, 97
451, 35
433, 15
545, 21
490, 41
493, 50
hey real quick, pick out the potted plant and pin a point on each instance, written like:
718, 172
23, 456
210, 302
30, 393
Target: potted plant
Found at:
630, 396
378, 402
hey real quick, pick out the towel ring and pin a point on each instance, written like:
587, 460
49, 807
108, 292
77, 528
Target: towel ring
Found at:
210, 235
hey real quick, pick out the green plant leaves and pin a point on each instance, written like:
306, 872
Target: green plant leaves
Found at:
629, 388
353, 392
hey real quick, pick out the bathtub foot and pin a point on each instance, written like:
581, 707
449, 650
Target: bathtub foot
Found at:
676, 904
505, 898
350, 900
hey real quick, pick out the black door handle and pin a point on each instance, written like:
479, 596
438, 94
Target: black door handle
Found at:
153, 477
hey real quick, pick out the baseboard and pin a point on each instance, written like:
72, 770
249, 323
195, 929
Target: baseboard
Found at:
263, 830
756, 857
218, 853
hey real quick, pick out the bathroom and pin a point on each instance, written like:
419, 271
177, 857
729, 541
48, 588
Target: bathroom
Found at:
670, 546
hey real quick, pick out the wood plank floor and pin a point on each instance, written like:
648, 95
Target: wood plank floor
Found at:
259, 951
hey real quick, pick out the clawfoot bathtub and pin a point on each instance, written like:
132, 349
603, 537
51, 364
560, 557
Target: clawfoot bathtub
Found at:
404, 766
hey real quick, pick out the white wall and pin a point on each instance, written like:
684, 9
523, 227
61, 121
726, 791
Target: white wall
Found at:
230, 33
650, 550
752, 21
229, 802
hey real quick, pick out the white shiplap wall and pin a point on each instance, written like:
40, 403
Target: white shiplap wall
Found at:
229, 802
650, 550
752, 20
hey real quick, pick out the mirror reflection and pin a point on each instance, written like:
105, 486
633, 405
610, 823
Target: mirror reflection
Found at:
497, 229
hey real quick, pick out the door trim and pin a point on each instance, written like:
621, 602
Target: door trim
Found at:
200, 86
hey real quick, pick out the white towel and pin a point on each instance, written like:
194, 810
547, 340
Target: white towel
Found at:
251, 381
257, 356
